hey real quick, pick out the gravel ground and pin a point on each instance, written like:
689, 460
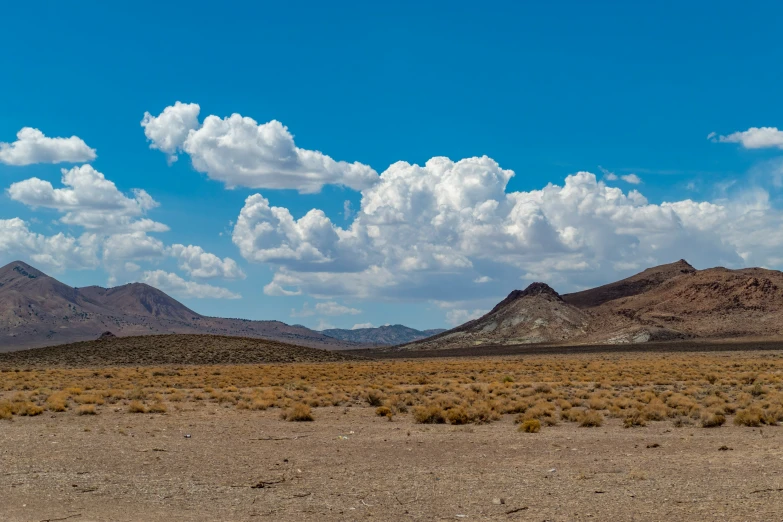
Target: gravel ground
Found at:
351, 465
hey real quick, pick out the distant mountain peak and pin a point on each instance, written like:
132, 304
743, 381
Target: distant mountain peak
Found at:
532, 290
540, 289
20, 268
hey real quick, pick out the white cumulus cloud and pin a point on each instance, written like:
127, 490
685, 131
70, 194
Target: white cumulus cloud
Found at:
169, 130
58, 252
179, 287
32, 146
429, 232
89, 200
329, 308
204, 265
359, 326
459, 316
753, 138
240, 152
633, 179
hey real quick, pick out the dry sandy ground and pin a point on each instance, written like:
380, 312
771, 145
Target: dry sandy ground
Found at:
351, 465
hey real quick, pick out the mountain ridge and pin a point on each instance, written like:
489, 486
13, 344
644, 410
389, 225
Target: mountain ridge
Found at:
37, 310
666, 302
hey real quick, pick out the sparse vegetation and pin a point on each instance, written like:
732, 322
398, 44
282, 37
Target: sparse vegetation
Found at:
86, 409
586, 390
298, 413
530, 426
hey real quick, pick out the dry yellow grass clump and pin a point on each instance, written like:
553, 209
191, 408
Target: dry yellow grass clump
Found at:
706, 389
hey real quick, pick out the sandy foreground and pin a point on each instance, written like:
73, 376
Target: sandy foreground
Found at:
351, 465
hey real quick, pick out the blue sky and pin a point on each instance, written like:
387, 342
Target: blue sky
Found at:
546, 91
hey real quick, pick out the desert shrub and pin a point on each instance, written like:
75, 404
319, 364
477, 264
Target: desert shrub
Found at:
299, 412
5, 410
656, 410
752, 417
375, 398
57, 401
773, 415
543, 411
27, 408
634, 418
457, 415
86, 409
482, 413
530, 426
681, 422
712, 419
136, 394
157, 407
137, 407
88, 399
383, 411
431, 414
591, 419
259, 404
597, 403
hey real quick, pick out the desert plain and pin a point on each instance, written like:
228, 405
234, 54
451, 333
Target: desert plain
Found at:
612, 435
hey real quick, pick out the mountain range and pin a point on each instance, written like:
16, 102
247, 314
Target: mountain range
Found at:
37, 310
382, 335
667, 302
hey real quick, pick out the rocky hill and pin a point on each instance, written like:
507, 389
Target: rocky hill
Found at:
381, 336
668, 302
37, 310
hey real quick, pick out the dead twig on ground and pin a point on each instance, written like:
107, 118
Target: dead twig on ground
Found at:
64, 518
267, 483
768, 490
282, 438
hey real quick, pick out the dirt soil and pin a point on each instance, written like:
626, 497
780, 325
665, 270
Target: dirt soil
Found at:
351, 465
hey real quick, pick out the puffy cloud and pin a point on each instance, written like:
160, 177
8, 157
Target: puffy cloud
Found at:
169, 130
175, 285
633, 179
89, 200
323, 325
204, 265
330, 308
753, 138
482, 279
333, 308
32, 146
458, 317
132, 246
59, 251
430, 232
359, 326
241, 152
608, 175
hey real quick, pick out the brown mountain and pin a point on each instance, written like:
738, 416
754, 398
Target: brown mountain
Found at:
37, 310
668, 302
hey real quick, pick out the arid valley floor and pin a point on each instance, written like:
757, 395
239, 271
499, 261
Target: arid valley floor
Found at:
609, 436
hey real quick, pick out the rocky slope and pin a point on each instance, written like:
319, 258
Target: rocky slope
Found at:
381, 336
37, 310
